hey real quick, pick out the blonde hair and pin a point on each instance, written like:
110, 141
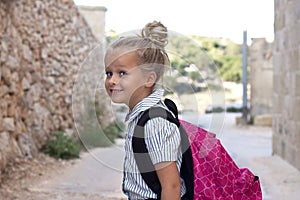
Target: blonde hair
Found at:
149, 47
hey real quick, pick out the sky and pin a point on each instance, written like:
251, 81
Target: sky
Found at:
209, 18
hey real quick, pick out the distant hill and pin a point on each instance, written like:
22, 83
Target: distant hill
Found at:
226, 55
222, 56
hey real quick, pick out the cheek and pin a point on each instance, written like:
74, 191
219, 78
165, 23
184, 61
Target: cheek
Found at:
106, 83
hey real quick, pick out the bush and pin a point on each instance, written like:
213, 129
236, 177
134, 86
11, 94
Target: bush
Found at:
62, 146
234, 109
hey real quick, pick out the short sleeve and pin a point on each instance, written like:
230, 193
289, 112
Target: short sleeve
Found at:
162, 139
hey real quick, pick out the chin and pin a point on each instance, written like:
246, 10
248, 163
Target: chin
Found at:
115, 100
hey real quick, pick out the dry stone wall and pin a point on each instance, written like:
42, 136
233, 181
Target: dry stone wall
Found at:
42, 45
286, 101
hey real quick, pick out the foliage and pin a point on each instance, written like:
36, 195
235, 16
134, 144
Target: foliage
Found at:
180, 66
234, 109
111, 36
226, 55
230, 67
188, 52
62, 146
181, 87
94, 136
194, 75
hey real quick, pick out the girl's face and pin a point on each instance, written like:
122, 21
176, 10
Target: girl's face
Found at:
125, 81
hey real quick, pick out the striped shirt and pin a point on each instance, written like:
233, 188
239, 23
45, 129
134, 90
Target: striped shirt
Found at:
163, 142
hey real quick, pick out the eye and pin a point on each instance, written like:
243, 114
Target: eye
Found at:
122, 73
109, 74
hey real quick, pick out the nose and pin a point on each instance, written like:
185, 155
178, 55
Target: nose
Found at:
113, 80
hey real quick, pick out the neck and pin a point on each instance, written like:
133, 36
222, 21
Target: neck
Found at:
138, 98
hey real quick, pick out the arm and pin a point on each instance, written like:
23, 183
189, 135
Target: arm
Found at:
163, 143
169, 179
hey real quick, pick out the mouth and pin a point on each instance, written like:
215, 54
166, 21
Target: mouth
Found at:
116, 91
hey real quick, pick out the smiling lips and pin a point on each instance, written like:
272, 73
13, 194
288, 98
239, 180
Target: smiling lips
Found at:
114, 91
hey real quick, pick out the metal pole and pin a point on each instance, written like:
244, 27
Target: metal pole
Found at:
244, 80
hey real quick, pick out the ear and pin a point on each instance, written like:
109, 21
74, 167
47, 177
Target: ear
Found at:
151, 79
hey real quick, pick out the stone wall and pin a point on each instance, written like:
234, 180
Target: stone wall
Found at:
42, 45
286, 105
261, 80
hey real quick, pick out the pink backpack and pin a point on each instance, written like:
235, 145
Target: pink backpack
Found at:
207, 169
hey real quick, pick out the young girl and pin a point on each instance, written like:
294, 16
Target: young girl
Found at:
134, 65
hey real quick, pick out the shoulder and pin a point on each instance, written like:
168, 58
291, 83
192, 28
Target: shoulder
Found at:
160, 120
159, 125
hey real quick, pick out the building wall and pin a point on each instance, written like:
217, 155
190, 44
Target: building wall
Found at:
286, 101
261, 77
42, 46
95, 17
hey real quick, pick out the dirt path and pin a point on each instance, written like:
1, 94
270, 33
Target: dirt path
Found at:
96, 175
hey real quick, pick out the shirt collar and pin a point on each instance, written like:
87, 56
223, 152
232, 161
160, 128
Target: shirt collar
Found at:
145, 104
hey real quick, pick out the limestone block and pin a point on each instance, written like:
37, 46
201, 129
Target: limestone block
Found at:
13, 63
26, 145
40, 111
27, 53
3, 91
20, 127
290, 13
263, 120
13, 88
8, 124
4, 144
12, 108
5, 75
25, 84
15, 77
16, 151
4, 149
2, 161
35, 92
4, 47
279, 21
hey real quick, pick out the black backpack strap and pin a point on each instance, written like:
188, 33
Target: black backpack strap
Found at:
142, 156
140, 150
172, 107
186, 170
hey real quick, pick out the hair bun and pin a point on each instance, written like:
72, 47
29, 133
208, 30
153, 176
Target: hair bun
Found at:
157, 33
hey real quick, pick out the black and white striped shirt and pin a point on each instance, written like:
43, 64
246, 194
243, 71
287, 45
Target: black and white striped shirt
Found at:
163, 142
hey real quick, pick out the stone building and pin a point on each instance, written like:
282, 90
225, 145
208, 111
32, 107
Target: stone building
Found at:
95, 17
286, 81
261, 81
42, 46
